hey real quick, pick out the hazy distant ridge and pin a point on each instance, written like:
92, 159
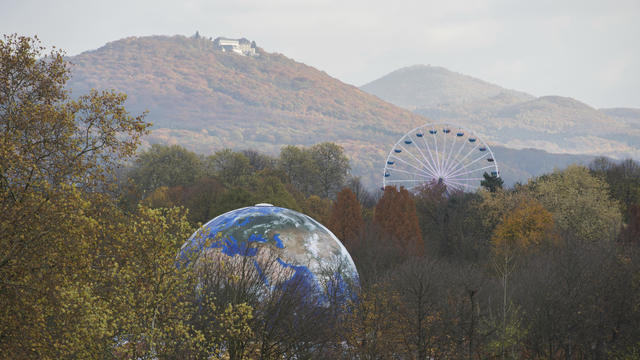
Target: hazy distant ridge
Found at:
422, 86
512, 118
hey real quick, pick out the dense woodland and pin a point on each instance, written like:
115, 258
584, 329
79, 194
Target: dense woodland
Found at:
90, 226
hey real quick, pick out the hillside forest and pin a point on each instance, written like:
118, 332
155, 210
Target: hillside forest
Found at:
90, 227
206, 100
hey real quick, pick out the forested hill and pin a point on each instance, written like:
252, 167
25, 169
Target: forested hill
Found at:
206, 100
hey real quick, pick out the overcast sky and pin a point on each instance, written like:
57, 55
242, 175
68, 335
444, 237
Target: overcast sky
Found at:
588, 50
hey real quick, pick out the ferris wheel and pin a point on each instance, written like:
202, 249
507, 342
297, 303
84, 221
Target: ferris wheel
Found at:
439, 153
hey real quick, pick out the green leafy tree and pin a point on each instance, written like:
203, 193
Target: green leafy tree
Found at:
624, 185
230, 167
201, 197
580, 204
332, 168
269, 189
319, 170
259, 161
298, 166
168, 166
491, 182
232, 199
623, 179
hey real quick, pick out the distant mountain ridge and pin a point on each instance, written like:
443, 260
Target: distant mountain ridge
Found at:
629, 116
207, 100
511, 118
425, 86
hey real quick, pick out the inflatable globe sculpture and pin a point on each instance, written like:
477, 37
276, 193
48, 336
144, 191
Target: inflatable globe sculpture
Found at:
283, 246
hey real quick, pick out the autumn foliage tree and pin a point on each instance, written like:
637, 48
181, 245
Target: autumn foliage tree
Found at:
522, 229
396, 214
580, 203
346, 218
79, 277
56, 158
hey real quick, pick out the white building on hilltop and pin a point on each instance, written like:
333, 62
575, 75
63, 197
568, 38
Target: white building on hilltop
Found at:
239, 46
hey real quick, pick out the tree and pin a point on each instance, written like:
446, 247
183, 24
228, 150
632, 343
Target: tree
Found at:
419, 319
364, 197
580, 204
331, 166
317, 208
269, 189
168, 166
631, 232
319, 170
491, 182
152, 301
624, 184
259, 161
370, 329
230, 167
346, 218
520, 230
451, 222
299, 169
201, 197
623, 179
56, 157
579, 301
396, 214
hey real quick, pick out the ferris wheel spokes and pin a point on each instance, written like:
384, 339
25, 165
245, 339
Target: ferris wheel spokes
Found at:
446, 157
458, 163
428, 149
453, 144
467, 165
435, 140
412, 173
413, 156
425, 160
413, 166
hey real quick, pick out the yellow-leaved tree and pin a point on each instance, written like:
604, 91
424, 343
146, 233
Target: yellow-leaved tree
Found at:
79, 276
521, 230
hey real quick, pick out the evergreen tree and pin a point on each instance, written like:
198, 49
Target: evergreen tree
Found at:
491, 182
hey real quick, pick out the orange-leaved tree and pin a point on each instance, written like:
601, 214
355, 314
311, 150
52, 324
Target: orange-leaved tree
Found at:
346, 218
396, 214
